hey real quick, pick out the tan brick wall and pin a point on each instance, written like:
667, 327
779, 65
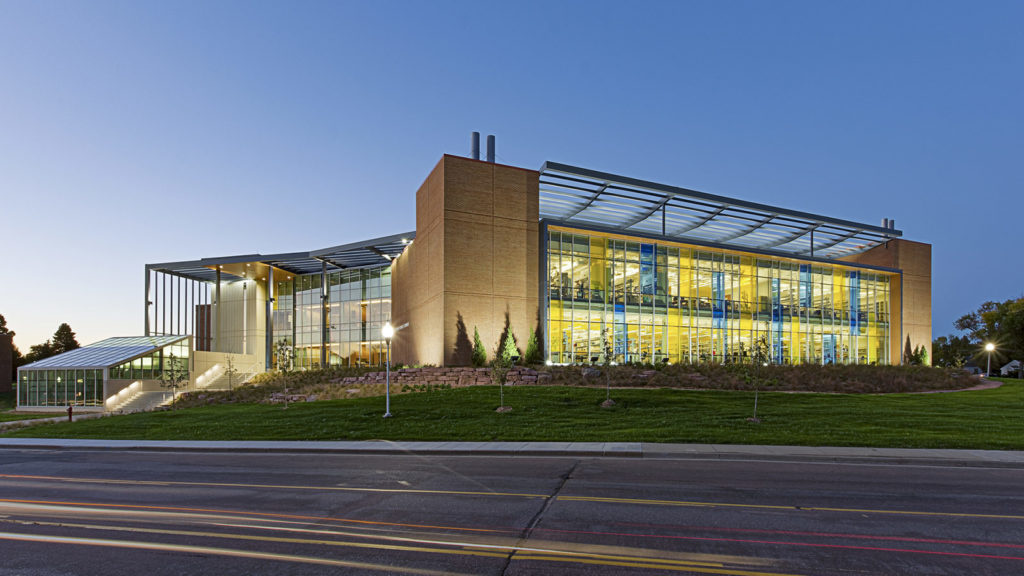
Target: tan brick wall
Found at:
915, 320
475, 254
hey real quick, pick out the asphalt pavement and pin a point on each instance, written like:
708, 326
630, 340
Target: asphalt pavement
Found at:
178, 510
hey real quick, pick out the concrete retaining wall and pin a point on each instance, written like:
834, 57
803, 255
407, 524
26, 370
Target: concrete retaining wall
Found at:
454, 377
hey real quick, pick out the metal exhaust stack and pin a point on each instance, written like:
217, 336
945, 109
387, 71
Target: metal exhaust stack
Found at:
490, 148
474, 150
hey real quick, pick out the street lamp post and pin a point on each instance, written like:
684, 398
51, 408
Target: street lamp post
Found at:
989, 348
387, 332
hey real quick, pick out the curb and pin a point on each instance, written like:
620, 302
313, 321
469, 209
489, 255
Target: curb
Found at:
632, 450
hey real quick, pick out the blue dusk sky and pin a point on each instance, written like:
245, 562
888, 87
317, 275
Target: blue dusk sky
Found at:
139, 132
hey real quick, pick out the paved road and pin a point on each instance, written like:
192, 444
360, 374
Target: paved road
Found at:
104, 512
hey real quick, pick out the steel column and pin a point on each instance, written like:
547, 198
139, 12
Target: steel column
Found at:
270, 320
323, 314
216, 316
146, 328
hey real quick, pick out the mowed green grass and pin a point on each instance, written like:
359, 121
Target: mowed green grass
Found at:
8, 401
986, 419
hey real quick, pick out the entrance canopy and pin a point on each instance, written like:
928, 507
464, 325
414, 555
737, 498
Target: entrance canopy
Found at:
368, 253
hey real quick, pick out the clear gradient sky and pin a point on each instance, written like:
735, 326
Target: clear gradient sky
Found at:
137, 132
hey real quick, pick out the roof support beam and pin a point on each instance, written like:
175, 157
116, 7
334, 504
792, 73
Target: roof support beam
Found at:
753, 227
789, 237
835, 242
657, 206
597, 194
699, 223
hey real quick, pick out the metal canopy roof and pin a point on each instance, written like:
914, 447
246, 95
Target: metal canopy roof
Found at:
105, 353
580, 197
375, 252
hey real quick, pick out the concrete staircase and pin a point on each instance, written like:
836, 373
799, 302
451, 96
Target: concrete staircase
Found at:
142, 401
219, 380
134, 399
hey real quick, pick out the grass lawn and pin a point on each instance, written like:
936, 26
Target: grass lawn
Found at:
992, 419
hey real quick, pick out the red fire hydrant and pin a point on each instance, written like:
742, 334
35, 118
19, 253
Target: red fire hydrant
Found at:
70, 410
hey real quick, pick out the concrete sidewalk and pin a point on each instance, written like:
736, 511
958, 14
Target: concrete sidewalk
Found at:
889, 456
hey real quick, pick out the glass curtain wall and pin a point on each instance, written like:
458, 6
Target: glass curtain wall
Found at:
658, 302
308, 325
283, 314
61, 388
358, 304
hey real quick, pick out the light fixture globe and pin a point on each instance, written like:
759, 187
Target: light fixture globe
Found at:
990, 347
387, 331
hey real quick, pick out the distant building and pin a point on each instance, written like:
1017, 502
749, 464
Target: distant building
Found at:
6, 362
587, 259
1010, 369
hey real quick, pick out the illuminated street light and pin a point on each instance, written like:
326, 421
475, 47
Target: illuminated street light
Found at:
387, 332
989, 348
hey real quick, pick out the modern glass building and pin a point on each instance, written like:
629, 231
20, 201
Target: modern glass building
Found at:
105, 374
296, 310
593, 263
657, 273
600, 264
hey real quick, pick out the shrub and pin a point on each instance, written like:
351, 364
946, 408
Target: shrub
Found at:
479, 357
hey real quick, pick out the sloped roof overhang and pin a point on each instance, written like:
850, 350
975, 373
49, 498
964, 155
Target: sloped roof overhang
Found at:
365, 254
574, 196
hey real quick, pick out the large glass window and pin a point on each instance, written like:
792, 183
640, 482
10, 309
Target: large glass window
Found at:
358, 304
661, 302
60, 388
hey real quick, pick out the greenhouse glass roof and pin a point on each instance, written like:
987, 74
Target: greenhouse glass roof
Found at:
105, 353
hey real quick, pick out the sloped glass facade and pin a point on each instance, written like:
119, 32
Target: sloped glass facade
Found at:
154, 366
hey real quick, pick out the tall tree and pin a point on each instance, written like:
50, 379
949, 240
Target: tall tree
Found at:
1001, 323
64, 339
3, 326
16, 359
38, 352
952, 351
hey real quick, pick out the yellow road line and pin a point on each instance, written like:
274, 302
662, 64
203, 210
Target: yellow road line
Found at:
656, 564
268, 486
277, 539
468, 549
685, 503
507, 548
239, 513
214, 551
